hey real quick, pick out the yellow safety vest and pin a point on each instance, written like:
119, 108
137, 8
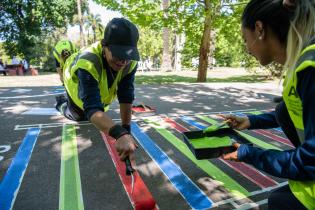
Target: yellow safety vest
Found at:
61, 45
303, 191
90, 59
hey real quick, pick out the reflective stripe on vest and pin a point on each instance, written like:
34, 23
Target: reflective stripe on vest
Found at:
303, 191
90, 60
91, 57
56, 55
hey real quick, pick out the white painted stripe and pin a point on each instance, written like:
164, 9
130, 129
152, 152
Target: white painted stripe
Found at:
252, 205
209, 113
251, 194
41, 111
32, 96
53, 125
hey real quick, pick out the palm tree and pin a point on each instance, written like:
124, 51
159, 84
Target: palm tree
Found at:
95, 22
80, 20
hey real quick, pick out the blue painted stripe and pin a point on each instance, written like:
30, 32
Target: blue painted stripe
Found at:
194, 196
12, 180
192, 122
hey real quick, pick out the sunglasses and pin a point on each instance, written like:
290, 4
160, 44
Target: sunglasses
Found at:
115, 59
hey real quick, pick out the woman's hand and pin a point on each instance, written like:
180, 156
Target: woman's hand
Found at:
232, 155
236, 122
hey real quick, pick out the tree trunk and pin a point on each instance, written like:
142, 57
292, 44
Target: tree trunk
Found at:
80, 23
205, 45
166, 57
94, 33
212, 49
177, 53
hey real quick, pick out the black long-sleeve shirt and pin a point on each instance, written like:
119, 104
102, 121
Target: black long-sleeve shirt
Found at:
89, 91
296, 164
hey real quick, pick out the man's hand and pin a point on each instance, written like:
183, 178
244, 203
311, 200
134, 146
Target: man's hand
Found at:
236, 122
232, 155
126, 146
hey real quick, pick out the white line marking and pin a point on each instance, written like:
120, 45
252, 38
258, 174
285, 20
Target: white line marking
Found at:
41, 111
32, 96
4, 148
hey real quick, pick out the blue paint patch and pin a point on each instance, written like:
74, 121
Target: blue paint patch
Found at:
12, 180
42, 111
59, 89
195, 197
278, 129
193, 122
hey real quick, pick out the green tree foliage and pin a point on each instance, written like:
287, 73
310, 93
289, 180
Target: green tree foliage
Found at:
188, 17
145, 13
148, 16
95, 23
150, 44
229, 43
25, 25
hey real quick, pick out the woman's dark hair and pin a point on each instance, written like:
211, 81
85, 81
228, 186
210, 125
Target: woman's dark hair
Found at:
271, 13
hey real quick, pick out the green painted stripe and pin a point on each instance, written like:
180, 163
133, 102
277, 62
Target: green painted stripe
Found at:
252, 139
255, 112
230, 184
70, 195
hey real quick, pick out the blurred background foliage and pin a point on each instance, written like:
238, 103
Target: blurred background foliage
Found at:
172, 33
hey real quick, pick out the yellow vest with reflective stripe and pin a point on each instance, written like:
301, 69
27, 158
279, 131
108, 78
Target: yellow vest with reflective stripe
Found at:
303, 191
90, 59
61, 45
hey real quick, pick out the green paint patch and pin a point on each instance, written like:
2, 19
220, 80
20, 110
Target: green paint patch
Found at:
70, 195
215, 127
211, 142
209, 168
250, 138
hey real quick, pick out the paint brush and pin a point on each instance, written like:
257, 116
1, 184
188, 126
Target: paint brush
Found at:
129, 172
216, 126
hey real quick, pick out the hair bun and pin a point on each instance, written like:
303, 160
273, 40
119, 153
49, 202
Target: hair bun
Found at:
290, 5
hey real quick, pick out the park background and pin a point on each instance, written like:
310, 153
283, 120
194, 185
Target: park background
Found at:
202, 36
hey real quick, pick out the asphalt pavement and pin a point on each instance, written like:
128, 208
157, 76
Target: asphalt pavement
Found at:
49, 162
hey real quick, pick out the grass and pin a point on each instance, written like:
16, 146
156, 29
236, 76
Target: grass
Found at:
162, 79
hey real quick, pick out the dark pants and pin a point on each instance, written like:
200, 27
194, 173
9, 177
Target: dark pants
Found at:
71, 111
283, 198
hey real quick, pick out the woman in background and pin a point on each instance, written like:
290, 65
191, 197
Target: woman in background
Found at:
284, 32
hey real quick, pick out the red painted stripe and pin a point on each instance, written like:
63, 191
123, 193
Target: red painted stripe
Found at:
141, 198
274, 137
247, 171
141, 109
252, 174
175, 125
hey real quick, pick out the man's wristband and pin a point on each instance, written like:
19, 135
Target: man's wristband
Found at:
117, 131
127, 127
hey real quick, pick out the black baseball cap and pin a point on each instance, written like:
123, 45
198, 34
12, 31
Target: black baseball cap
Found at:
121, 36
